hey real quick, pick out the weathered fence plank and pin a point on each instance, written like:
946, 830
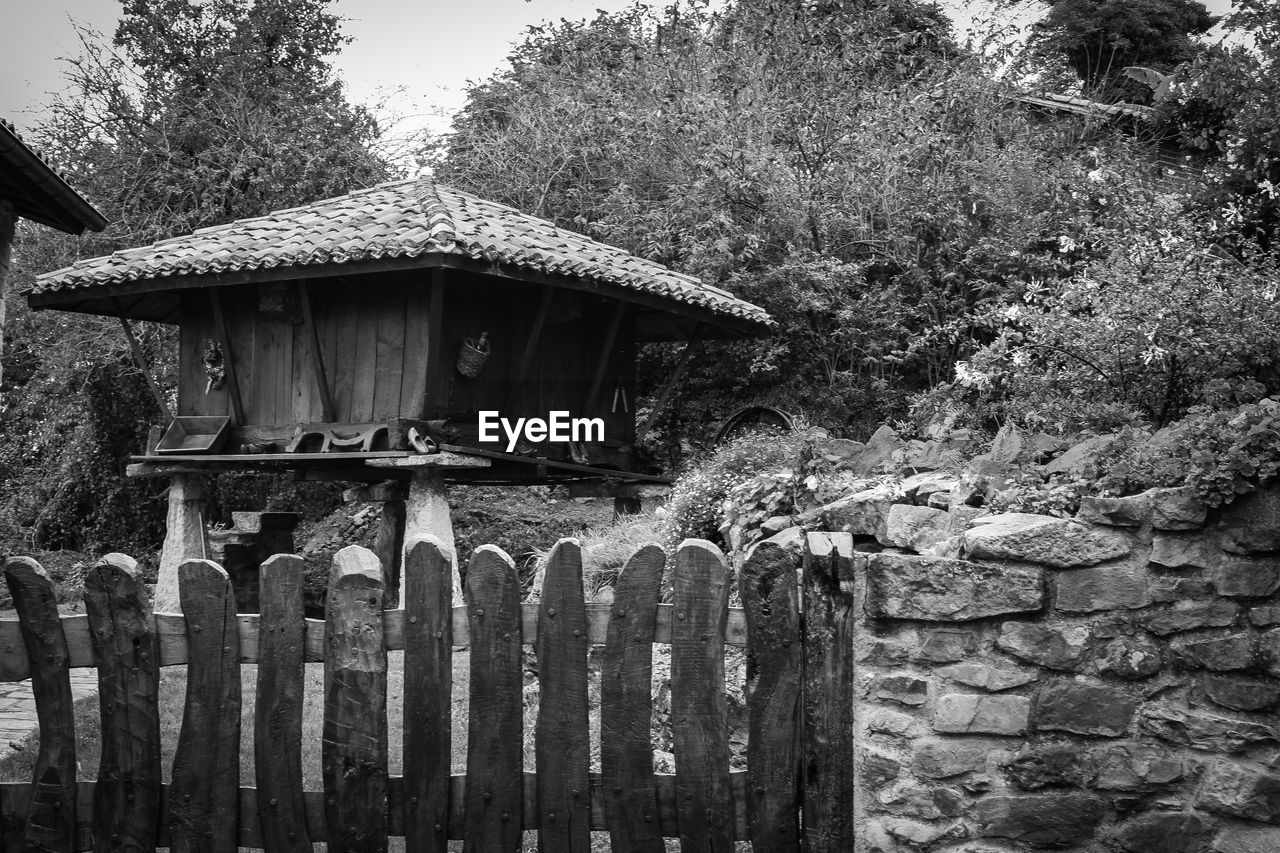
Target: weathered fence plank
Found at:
428, 685
774, 675
562, 748
205, 795
354, 751
277, 712
51, 811
828, 757
126, 797
699, 711
626, 707
494, 801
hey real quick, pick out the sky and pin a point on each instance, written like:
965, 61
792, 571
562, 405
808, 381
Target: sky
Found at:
414, 56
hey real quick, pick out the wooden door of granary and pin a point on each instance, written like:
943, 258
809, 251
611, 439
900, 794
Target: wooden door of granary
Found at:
796, 791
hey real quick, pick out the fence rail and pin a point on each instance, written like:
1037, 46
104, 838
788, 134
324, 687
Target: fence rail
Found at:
799, 746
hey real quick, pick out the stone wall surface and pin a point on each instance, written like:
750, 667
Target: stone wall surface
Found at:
1107, 682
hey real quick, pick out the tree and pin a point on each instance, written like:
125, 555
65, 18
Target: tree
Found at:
195, 114
1100, 38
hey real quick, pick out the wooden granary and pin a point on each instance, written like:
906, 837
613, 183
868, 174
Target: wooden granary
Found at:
360, 338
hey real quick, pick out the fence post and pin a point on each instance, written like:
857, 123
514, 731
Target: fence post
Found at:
51, 812
828, 758
563, 743
626, 707
126, 797
354, 752
277, 710
775, 666
204, 799
699, 710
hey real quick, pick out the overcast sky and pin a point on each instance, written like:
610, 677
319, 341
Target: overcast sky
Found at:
415, 54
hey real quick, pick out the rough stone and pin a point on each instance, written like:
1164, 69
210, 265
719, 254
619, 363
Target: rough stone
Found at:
888, 722
927, 802
1269, 651
877, 455
863, 513
1049, 767
915, 527
968, 713
878, 769
944, 759
1168, 832
790, 540
1057, 542
1265, 616
987, 677
1240, 694
1131, 511
916, 835
1114, 587
1084, 709
1247, 839
839, 449
1189, 615
776, 524
1176, 508
1131, 658
1185, 550
1200, 730
1251, 524
1136, 768
885, 653
945, 645
1221, 654
941, 590
1248, 578
1045, 645
1077, 456
1044, 820
1241, 791
963, 517
920, 487
1170, 588
903, 689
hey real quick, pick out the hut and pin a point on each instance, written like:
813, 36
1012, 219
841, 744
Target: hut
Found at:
383, 337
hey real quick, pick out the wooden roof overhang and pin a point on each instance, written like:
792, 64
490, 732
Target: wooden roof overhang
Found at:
38, 192
158, 299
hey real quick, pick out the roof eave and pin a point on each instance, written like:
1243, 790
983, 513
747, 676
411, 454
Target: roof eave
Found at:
74, 214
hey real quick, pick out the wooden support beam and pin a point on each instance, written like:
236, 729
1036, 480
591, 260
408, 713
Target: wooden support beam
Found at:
671, 384
228, 359
535, 335
327, 408
437, 396
606, 353
141, 361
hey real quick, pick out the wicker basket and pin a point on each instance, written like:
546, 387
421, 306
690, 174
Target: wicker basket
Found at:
472, 355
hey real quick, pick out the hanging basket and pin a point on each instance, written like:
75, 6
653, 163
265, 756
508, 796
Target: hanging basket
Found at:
472, 355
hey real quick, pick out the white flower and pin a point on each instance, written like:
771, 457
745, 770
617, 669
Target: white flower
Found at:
1065, 243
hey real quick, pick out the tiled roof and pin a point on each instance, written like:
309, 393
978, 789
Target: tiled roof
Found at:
404, 219
38, 191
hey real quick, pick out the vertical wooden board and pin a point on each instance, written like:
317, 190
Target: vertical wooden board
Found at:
354, 752
341, 307
774, 676
365, 354
388, 544
493, 798
243, 333
50, 814
303, 390
390, 348
204, 796
428, 686
699, 711
277, 733
195, 396
626, 707
413, 381
126, 651
438, 370
562, 746
827, 750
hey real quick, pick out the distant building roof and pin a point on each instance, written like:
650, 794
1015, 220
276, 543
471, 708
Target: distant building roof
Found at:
1086, 107
400, 225
37, 191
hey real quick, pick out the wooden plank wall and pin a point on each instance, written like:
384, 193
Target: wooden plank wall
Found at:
374, 341
489, 806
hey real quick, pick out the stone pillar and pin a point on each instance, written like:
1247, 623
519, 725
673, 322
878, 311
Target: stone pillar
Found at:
184, 538
427, 512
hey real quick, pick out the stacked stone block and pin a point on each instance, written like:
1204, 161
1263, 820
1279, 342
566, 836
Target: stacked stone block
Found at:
1103, 683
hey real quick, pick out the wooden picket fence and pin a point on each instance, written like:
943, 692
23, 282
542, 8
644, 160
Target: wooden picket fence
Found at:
796, 793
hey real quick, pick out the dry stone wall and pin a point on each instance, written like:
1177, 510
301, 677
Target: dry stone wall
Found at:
1103, 683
